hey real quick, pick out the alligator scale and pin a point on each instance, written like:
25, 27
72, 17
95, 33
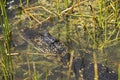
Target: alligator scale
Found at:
44, 42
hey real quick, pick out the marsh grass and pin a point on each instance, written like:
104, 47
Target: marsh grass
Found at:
35, 72
96, 77
81, 25
70, 65
47, 74
118, 71
5, 45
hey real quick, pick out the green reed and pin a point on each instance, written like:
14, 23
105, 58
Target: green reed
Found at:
27, 2
67, 25
5, 45
35, 72
21, 2
118, 71
66, 3
47, 73
28, 65
58, 12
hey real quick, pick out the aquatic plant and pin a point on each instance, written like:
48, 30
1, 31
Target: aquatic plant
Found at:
5, 44
84, 27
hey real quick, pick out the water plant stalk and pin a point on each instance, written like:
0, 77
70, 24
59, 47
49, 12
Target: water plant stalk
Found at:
118, 71
5, 45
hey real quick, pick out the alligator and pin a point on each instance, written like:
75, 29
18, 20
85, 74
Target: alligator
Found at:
85, 68
44, 42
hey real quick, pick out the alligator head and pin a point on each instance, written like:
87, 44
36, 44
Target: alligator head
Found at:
43, 41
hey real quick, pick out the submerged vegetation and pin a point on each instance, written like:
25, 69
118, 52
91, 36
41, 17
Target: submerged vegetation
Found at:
89, 28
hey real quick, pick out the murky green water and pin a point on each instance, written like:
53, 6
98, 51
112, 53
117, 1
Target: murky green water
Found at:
68, 30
